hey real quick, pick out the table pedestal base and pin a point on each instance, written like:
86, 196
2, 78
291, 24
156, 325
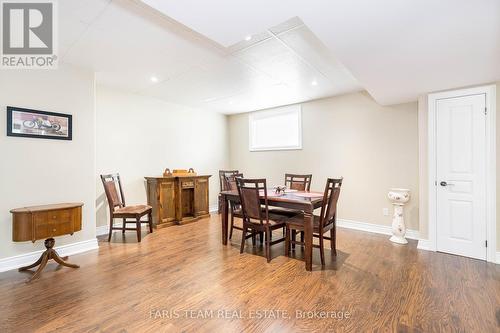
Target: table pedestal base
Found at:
50, 253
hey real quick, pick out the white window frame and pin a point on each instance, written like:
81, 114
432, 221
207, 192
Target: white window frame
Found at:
271, 113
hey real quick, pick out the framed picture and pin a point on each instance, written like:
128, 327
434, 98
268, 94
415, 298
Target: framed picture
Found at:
38, 124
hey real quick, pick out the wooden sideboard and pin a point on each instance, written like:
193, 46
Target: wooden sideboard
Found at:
40, 222
44, 222
177, 199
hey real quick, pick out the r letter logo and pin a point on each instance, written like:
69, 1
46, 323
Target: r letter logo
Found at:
28, 35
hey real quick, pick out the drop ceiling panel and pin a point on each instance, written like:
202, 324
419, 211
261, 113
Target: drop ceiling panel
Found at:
277, 61
397, 50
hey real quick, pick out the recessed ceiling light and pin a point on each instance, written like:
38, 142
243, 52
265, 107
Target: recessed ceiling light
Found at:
248, 37
154, 79
314, 83
231, 102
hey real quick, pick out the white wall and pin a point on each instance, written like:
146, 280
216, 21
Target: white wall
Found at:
140, 136
40, 171
373, 147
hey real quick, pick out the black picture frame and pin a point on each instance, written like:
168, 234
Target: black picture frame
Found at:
10, 131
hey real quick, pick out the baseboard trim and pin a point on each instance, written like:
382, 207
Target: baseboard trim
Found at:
375, 228
104, 229
7, 264
426, 245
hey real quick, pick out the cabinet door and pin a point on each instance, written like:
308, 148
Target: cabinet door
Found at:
201, 196
167, 202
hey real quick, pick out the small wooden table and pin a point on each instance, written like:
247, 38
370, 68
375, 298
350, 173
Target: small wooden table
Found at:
39, 222
288, 200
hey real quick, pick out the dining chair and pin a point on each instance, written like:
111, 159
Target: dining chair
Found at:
234, 206
323, 223
222, 183
298, 182
118, 209
256, 217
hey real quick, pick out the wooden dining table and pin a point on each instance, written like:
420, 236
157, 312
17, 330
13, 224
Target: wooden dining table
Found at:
303, 201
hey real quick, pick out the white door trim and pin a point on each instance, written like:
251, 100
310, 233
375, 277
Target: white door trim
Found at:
490, 91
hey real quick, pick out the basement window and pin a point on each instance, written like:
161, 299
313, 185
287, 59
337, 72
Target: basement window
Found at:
276, 129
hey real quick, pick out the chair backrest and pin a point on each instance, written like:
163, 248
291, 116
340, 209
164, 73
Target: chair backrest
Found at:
222, 175
115, 196
250, 191
330, 198
298, 182
230, 181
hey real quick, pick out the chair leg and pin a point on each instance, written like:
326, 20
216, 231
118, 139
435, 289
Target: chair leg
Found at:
287, 241
138, 226
321, 250
261, 237
243, 237
150, 219
124, 225
110, 228
294, 238
333, 240
268, 245
253, 238
302, 238
231, 227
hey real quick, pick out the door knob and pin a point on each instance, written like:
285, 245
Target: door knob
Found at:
443, 184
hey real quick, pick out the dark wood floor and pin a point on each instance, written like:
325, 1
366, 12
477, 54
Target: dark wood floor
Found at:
130, 287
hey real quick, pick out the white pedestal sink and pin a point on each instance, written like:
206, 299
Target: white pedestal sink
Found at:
399, 197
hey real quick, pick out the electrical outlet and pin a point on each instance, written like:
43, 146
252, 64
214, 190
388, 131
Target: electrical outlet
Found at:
385, 211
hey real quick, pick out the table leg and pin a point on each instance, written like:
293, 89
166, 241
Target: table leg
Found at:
308, 239
225, 218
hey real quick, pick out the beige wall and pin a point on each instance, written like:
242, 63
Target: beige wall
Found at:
139, 136
40, 171
373, 147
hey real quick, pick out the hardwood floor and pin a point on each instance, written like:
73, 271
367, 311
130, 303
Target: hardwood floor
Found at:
130, 287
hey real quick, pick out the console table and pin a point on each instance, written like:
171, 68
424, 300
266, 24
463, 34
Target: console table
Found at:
45, 222
177, 199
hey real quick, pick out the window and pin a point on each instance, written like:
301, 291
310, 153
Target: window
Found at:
277, 129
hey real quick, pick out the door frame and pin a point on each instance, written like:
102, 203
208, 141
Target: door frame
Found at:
490, 92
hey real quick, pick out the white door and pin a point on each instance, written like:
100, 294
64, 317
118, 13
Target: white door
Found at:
461, 175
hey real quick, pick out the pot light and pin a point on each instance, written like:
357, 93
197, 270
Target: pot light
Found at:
314, 83
154, 79
248, 37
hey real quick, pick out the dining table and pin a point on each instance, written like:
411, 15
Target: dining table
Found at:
304, 201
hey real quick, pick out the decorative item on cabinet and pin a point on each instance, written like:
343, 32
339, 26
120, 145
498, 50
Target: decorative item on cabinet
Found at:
178, 197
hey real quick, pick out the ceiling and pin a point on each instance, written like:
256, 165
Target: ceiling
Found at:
298, 51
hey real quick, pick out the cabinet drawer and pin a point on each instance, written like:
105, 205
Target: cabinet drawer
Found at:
41, 222
60, 222
187, 184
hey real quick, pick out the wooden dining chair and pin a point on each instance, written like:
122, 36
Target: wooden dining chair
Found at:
323, 223
118, 209
234, 206
256, 217
298, 182
222, 183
